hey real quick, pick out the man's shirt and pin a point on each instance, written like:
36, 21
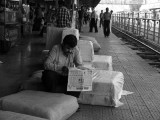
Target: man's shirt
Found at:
56, 59
81, 14
106, 16
63, 17
94, 15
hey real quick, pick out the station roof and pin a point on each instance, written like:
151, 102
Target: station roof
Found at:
89, 3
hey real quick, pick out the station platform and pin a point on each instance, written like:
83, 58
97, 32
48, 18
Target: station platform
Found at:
140, 78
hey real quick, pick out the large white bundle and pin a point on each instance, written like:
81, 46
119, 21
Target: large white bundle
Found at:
96, 45
72, 31
107, 89
7, 115
102, 62
52, 106
54, 36
86, 50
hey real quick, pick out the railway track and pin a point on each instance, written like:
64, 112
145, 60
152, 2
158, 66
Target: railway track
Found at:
144, 49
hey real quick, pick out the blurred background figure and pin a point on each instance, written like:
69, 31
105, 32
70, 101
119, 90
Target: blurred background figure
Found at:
85, 16
63, 17
81, 18
107, 18
93, 21
43, 22
31, 18
38, 18
101, 19
111, 21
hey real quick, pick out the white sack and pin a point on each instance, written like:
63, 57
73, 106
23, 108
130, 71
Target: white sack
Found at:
96, 45
72, 31
86, 50
53, 106
54, 36
106, 90
102, 62
7, 115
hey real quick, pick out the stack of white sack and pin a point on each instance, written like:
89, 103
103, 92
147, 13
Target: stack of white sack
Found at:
54, 36
102, 62
90, 60
96, 45
107, 88
72, 31
86, 50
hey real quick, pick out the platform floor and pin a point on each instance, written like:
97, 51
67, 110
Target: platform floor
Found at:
140, 77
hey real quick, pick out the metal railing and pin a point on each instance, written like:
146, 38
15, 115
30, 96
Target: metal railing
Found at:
138, 24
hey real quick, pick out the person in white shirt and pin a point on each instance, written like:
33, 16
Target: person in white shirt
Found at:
111, 21
93, 21
60, 58
106, 18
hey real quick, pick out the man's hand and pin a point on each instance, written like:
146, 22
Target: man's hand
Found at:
65, 70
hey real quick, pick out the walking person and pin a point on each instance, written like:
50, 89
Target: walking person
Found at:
93, 21
107, 18
111, 21
81, 18
43, 22
101, 19
38, 18
85, 17
31, 18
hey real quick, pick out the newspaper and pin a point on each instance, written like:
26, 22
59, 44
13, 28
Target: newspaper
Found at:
79, 80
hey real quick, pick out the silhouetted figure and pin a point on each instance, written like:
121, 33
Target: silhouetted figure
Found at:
93, 21
107, 18
101, 19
